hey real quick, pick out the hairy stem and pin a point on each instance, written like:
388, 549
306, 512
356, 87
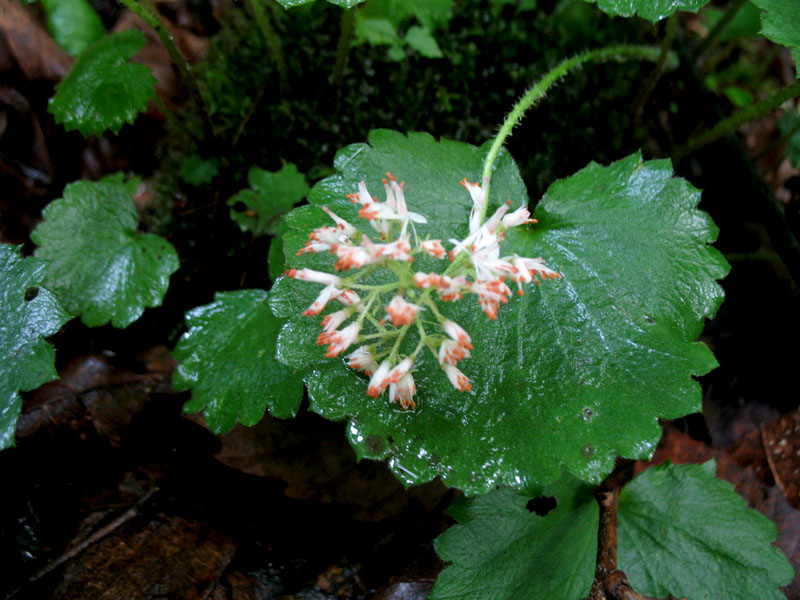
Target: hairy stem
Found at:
274, 43
715, 32
539, 89
736, 120
150, 15
343, 49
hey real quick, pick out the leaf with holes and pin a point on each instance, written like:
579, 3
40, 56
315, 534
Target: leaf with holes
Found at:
271, 194
101, 268
652, 10
675, 537
104, 90
28, 314
228, 360
572, 374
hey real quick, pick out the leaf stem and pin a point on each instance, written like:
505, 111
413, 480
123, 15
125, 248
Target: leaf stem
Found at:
537, 91
650, 83
736, 120
150, 15
720, 26
274, 43
343, 48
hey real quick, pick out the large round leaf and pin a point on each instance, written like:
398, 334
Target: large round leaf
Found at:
573, 373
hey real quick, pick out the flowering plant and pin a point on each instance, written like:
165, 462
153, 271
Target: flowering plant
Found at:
476, 268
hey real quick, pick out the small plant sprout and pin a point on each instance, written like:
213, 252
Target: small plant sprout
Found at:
403, 301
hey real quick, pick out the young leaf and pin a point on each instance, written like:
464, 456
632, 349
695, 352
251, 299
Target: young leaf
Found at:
101, 267
779, 23
685, 532
499, 550
421, 40
271, 194
573, 373
228, 358
196, 171
652, 10
104, 90
676, 536
28, 313
74, 24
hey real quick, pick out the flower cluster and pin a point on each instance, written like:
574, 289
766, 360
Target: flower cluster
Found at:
378, 326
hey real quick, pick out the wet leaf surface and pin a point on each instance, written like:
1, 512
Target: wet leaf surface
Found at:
101, 267
28, 314
570, 360
652, 10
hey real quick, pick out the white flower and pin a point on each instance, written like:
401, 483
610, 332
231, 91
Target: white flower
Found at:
401, 312
378, 381
339, 341
457, 378
401, 369
362, 360
457, 333
403, 391
330, 323
315, 276
433, 247
478, 195
345, 227
518, 217
351, 257
451, 352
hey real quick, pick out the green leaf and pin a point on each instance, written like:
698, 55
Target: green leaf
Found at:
780, 22
652, 10
376, 31
685, 532
343, 3
74, 24
28, 313
104, 90
745, 23
421, 40
196, 171
676, 536
573, 373
101, 267
501, 551
271, 194
228, 358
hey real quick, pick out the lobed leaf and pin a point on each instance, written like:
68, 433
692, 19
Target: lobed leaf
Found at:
652, 10
104, 90
779, 23
271, 194
101, 268
28, 314
228, 359
676, 536
573, 373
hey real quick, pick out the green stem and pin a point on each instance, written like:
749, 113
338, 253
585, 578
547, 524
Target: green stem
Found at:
539, 89
274, 43
650, 83
343, 49
715, 32
736, 120
150, 15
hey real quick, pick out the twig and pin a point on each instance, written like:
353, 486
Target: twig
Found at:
609, 582
92, 539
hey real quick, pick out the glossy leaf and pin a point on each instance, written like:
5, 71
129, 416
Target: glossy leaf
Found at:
104, 90
685, 532
228, 359
681, 532
342, 3
652, 10
28, 314
101, 268
271, 194
573, 373
499, 550
780, 22
74, 24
